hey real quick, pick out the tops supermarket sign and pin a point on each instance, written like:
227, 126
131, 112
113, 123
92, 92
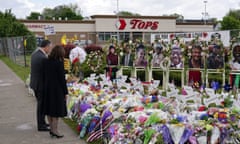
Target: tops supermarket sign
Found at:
138, 24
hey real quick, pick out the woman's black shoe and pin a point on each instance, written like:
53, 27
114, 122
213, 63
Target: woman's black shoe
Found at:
55, 135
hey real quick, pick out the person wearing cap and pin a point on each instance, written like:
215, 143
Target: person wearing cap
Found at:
215, 60
112, 62
157, 56
36, 80
176, 57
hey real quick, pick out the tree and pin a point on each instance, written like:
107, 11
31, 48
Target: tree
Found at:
66, 12
6, 20
48, 13
33, 16
126, 13
70, 12
10, 27
234, 13
178, 16
232, 22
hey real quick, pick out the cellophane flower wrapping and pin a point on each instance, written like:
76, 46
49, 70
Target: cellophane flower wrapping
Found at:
176, 131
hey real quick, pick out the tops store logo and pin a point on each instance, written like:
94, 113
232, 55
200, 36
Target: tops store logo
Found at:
138, 24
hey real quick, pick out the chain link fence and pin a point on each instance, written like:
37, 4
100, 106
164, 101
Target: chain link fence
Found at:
14, 48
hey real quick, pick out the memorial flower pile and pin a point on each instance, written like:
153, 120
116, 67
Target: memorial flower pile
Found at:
112, 114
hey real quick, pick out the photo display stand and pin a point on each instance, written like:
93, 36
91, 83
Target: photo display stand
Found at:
160, 75
137, 71
125, 70
215, 63
176, 66
216, 74
193, 59
194, 74
140, 63
175, 72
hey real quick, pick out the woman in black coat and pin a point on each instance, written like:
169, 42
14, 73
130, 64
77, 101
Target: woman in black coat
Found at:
55, 89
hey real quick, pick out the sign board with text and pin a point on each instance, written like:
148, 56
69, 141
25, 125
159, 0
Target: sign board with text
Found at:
49, 30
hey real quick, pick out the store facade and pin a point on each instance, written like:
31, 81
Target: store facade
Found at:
101, 28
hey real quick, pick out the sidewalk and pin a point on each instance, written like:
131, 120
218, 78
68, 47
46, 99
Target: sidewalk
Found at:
18, 115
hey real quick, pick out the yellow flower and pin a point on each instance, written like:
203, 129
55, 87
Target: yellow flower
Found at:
215, 115
209, 127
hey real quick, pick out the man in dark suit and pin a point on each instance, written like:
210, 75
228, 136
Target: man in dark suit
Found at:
36, 80
127, 58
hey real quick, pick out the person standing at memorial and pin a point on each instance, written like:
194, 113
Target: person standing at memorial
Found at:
36, 80
55, 89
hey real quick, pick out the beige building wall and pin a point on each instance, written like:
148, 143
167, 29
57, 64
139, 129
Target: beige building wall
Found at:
83, 30
61, 26
193, 28
89, 29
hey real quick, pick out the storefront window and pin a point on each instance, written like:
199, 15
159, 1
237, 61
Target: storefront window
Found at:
137, 36
147, 38
100, 36
124, 36
107, 36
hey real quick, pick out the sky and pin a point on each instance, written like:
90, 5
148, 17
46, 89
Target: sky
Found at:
190, 9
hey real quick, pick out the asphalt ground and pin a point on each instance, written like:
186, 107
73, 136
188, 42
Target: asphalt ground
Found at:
18, 123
